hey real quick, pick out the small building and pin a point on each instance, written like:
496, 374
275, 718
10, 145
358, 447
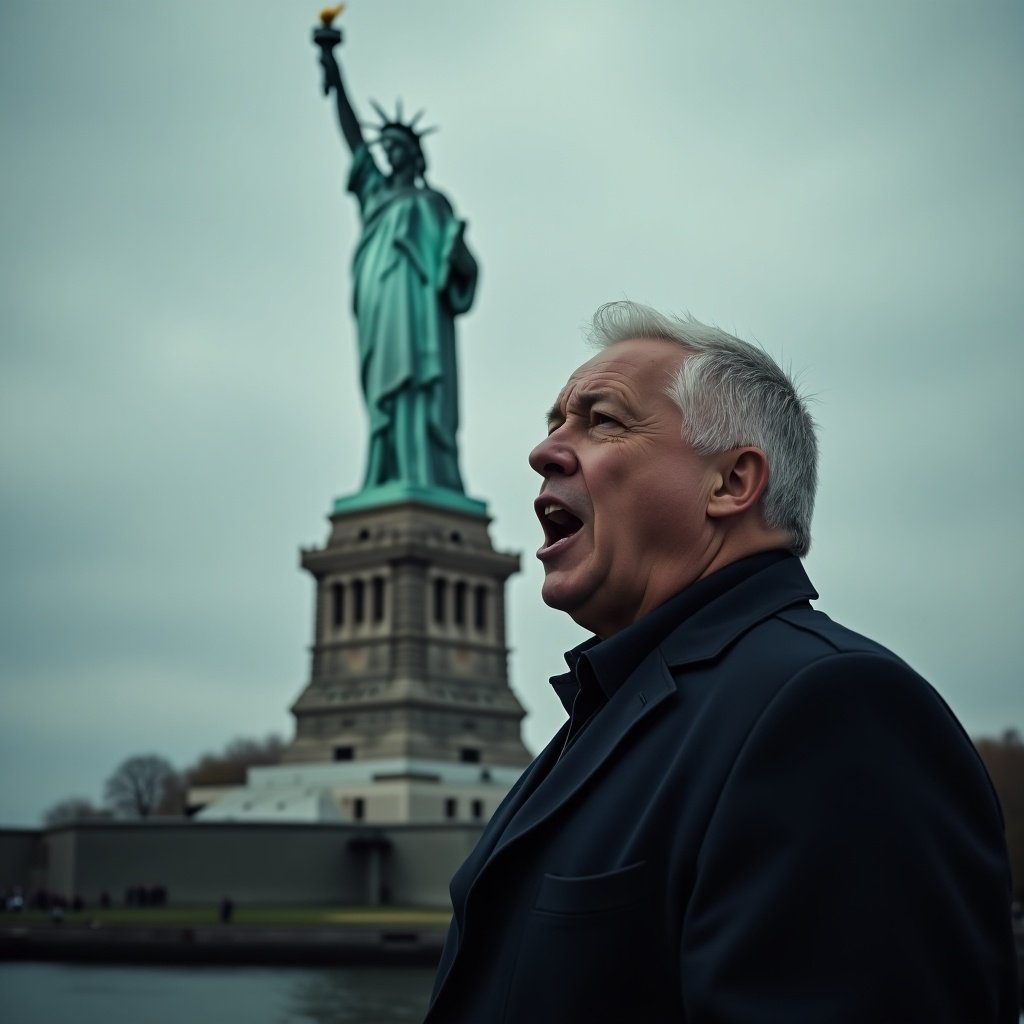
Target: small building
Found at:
385, 792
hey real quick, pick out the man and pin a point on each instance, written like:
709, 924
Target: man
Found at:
753, 814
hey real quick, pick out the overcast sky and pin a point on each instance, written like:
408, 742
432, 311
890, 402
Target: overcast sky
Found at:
841, 182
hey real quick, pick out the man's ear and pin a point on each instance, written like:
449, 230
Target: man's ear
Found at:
742, 476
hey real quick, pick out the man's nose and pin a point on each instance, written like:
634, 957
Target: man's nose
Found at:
552, 456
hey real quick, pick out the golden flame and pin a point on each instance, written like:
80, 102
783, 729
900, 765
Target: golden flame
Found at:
328, 14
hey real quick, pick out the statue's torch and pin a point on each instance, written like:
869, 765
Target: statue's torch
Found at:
326, 36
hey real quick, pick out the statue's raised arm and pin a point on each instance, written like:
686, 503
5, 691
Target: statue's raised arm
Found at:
412, 275
327, 38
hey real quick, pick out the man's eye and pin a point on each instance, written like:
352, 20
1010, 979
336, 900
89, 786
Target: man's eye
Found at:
601, 419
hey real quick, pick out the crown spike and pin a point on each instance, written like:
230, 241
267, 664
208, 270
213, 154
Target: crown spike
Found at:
416, 117
398, 109
380, 112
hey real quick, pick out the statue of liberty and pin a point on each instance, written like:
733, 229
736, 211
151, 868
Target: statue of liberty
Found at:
412, 275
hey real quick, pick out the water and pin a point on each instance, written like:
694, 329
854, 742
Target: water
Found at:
44, 993
78, 994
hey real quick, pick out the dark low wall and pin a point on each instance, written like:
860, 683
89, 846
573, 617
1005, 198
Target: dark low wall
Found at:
19, 850
201, 862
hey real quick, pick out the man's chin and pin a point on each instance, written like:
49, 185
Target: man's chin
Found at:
563, 598
552, 598
557, 594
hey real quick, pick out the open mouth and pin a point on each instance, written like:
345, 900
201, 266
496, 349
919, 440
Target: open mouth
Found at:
559, 523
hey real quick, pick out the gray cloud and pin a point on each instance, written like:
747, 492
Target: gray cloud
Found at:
178, 404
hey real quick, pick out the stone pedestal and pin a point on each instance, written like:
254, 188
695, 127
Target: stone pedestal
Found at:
409, 657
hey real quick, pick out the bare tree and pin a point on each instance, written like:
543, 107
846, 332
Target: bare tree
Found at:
173, 802
138, 785
74, 808
1004, 758
229, 768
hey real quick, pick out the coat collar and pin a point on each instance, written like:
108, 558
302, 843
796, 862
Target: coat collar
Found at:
556, 776
709, 631
613, 660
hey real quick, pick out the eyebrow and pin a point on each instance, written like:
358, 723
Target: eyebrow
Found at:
587, 399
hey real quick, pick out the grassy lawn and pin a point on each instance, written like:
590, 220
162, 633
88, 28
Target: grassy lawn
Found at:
198, 915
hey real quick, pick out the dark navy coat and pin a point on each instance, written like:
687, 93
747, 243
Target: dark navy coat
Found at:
772, 820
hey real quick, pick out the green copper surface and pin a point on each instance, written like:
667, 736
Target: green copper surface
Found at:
412, 274
409, 283
397, 492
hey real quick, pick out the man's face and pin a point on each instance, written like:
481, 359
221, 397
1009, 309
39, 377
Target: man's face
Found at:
624, 499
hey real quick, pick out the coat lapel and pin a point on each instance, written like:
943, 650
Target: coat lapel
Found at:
552, 781
639, 696
499, 822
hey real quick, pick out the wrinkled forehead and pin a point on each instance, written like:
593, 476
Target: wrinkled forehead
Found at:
637, 372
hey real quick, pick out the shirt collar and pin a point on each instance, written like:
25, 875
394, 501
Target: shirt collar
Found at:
611, 661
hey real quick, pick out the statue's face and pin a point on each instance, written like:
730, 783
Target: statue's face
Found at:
398, 150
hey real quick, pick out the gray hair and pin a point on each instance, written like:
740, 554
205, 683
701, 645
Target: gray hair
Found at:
732, 393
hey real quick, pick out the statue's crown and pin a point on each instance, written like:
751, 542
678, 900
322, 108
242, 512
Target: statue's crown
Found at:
397, 124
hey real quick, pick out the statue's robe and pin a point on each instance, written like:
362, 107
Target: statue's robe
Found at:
412, 275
